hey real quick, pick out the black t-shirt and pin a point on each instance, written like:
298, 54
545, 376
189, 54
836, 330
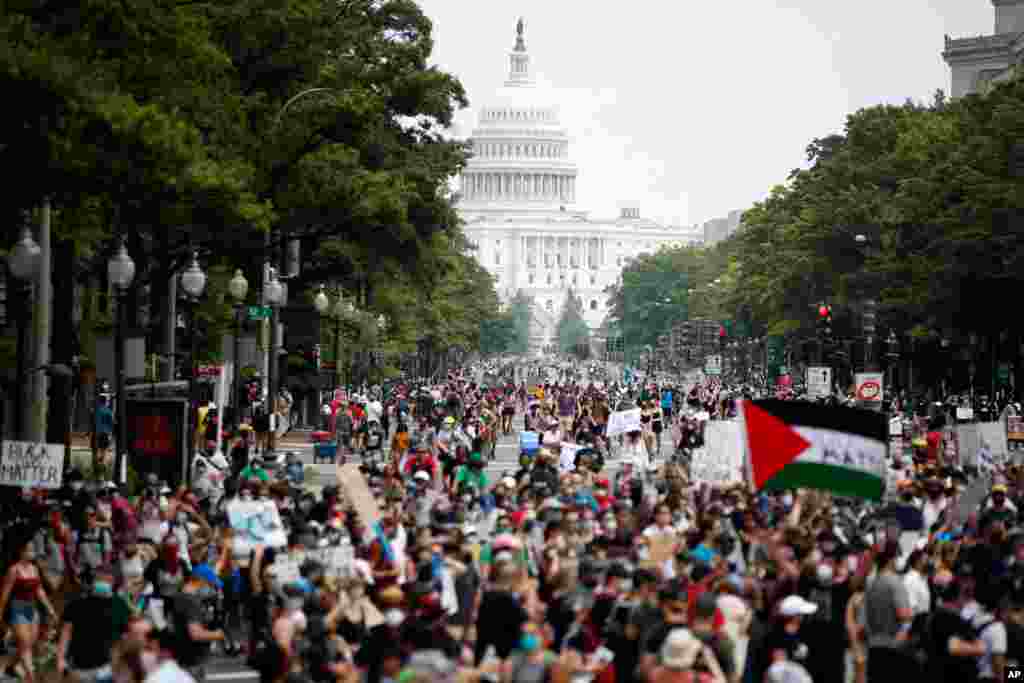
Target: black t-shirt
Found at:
96, 624
188, 609
938, 628
499, 624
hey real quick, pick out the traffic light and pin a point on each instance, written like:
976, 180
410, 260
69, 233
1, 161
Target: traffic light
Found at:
825, 321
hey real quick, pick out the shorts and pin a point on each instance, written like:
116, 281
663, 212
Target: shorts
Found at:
22, 612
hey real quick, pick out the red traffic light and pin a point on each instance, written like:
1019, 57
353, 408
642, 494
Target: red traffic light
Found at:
824, 311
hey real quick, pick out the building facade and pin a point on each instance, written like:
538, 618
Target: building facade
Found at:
518, 204
975, 63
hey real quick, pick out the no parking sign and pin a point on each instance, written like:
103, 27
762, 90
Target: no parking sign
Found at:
869, 387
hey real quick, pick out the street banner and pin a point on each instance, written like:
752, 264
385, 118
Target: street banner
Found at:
819, 382
797, 444
623, 421
720, 460
32, 465
567, 458
868, 389
1015, 428
256, 522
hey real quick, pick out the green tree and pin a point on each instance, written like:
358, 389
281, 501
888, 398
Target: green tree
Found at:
572, 330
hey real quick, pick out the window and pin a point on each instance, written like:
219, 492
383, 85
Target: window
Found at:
618, 261
593, 304
549, 278
593, 280
549, 304
573, 280
497, 258
530, 279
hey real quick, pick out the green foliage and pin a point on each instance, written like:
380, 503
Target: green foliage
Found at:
572, 331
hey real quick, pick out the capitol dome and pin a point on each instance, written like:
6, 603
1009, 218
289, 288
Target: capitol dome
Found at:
520, 150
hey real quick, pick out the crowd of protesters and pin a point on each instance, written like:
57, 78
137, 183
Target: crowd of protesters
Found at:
619, 569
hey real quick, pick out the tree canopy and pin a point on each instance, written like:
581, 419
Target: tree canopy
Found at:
572, 331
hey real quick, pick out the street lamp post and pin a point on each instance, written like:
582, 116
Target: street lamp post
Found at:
23, 264
120, 273
193, 283
273, 292
238, 287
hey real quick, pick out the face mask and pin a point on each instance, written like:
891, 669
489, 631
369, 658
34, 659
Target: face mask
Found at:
394, 617
102, 588
787, 501
299, 620
611, 527
625, 586
825, 574
149, 661
529, 642
642, 552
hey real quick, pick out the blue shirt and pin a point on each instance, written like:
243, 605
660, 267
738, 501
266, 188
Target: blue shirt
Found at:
104, 420
666, 399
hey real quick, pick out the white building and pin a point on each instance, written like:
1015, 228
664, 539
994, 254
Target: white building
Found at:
976, 62
518, 203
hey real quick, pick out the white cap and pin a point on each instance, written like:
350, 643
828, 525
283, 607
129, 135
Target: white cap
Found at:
787, 672
421, 475
795, 606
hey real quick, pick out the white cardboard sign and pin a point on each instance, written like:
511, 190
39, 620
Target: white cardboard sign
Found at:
623, 421
32, 465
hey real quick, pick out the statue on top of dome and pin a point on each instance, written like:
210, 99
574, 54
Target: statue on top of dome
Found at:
520, 44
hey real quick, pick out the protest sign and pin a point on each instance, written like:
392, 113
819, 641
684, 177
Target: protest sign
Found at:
355, 490
256, 522
1015, 428
286, 567
567, 458
896, 426
623, 421
720, 460
993, 440
33, 465
950, 447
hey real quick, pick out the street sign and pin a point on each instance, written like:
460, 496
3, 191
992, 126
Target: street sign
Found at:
713, 365
819, 382
259, 312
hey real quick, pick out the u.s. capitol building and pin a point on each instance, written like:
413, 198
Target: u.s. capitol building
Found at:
518, 202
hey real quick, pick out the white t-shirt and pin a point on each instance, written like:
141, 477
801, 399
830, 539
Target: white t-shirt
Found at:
374, 411
920, 594
994, 636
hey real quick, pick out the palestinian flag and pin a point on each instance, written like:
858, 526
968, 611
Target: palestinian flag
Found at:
794, 444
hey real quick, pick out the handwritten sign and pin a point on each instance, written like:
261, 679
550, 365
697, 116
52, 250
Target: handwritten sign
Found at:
336, 560
623, 421
720, 460
256, 522
567, 458
33, 465
1015, 428
353, 487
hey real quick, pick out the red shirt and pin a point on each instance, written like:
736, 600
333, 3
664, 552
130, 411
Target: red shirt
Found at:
692, 593
934, 440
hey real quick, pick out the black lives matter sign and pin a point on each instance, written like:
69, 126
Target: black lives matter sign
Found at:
33, 465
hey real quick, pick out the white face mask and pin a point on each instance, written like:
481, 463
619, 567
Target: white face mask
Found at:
149, 661
299, 620
787, 501
825, 573
394, 617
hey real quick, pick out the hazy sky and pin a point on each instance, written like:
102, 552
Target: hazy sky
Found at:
690, 109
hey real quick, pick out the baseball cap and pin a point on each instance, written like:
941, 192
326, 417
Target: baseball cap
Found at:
421, 475
795, 606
